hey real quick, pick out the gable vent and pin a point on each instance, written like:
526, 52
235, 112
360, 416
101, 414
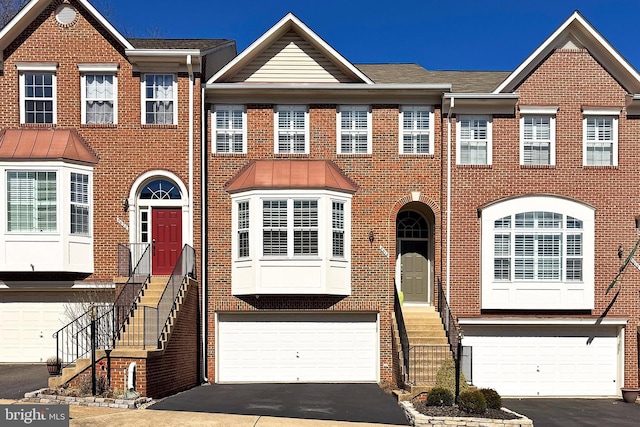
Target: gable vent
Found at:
65, 14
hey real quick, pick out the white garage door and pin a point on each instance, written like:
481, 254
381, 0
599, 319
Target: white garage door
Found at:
297, 348
545, 361
26, 330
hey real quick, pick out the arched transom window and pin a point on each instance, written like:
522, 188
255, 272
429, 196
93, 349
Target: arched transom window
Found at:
412, 225
160, 189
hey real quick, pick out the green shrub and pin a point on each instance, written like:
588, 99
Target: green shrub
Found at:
472, 401
493, 399
446, 377
439, 396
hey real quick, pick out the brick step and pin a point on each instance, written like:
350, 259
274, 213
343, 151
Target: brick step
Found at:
425, 328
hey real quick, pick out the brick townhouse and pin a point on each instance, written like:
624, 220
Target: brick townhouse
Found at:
336, 211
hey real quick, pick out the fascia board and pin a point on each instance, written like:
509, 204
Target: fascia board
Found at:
541, 321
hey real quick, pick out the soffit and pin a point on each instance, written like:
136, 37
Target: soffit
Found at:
291, 174
45, 144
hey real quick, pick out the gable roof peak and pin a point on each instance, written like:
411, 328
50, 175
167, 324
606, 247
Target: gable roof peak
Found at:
578, 31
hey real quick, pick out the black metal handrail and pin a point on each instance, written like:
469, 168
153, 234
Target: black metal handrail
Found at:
402, 331
156, 319
448, 321
125, 302
129, 257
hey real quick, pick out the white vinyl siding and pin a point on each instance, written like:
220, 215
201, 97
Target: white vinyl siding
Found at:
600, 140
159, 93
474, 140
230, 134
416, 130
291, 129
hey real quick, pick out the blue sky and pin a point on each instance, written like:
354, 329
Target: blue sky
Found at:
439, 35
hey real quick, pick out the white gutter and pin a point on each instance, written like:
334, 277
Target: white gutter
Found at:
335, 86
191, 84
203, 235
448, 253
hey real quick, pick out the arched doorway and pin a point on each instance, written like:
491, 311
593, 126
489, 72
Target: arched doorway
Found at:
414, 256
159, 218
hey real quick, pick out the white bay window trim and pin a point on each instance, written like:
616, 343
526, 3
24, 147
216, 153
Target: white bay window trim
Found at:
68, 247
308, 266
600, 135
413, 133
474, 139
288, 132
351, 131
501, 290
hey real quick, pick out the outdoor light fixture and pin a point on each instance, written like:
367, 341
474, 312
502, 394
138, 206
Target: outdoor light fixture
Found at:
125, 205
371, 237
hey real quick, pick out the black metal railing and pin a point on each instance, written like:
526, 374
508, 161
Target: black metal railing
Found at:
402, 331
129, 257
448, 321
73, 341
157, 319
425, 361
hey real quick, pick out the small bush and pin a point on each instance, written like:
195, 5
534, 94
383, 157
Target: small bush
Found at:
472, 401
446, 377
493, 399
439, 396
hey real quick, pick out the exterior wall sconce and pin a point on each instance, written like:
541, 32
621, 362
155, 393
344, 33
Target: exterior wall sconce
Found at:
125, 205
371, 237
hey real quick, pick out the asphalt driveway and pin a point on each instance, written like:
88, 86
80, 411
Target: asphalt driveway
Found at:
338, 402
21, 378
576, 412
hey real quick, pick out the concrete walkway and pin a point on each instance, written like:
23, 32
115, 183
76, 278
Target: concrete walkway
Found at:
82, 416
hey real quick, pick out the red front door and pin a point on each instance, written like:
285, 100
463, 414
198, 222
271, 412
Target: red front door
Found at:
167, 240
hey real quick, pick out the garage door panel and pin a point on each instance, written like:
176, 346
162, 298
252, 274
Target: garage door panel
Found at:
552, 361
297, 348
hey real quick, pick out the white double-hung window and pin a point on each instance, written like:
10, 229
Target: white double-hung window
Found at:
537, 136
600, 137
99, 96
230, 129
474, 140
159, 92
290, 227
291, 129
354, 129
37, 92
416, 130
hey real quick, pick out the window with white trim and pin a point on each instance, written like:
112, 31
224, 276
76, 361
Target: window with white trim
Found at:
37, 92
230, 129
291, 129
79, 203
538, 252
159, 93
538, 246
537, 140
278, 226
354, 129
600, 135
416, 130
474, 140
99, 98
243, 229
337, 223
32, 201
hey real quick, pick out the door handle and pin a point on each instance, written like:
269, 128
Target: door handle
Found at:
153, 247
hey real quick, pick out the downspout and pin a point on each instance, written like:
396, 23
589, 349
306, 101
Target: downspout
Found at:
191, 84
203, 233
448, 254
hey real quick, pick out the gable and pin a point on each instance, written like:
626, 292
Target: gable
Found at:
577, 33
291, 59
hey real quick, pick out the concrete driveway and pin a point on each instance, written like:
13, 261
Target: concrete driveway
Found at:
360, 403
21, 378
576, 412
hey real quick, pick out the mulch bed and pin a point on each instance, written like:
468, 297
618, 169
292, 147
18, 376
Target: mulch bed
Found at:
453, 411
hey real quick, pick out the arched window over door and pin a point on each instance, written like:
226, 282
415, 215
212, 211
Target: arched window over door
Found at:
160, 218
413, 242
